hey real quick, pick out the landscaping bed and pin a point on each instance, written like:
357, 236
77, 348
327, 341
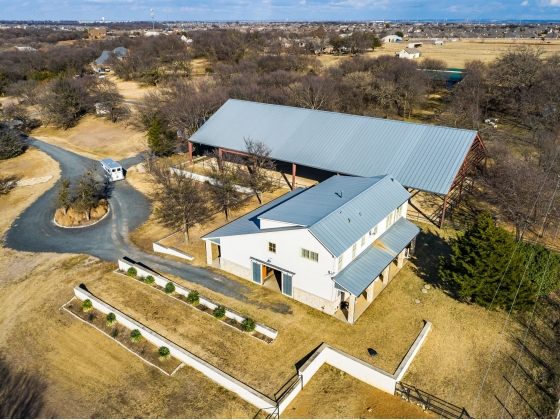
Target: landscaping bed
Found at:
74, 218
247, 326
142, 348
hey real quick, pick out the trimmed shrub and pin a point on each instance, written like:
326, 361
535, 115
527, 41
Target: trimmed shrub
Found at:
131, 272
248, 325
149, 280
169, 288
193, 298
135, 335
87, 305
220, 312
163, 353
111, 319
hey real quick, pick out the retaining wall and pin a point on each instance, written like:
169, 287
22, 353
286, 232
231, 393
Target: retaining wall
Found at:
203, 178
162, 281
247, 393
171, 251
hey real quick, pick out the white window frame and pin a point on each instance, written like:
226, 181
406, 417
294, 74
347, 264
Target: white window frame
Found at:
273, 246
309, 255
340, 262
354, 250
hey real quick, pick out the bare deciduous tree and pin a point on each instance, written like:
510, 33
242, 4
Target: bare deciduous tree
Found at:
178, 198
260, 166
63, 197
88, 192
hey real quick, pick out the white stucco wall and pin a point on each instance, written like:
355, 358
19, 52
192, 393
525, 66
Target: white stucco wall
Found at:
310, 276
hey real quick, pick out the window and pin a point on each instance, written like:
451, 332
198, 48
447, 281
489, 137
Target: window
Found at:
271, 247
399, 212
340, 262
354, 251
363, 240
373, 231
310, 255
389, 221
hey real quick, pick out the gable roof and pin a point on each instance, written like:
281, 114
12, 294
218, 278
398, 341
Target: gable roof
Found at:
412, 50
420, 156
337, 222
103, 57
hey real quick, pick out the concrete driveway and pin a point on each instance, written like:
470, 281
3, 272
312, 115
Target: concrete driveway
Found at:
35, 231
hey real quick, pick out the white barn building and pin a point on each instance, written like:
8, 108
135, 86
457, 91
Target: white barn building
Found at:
409, 53
333, 246
391, 38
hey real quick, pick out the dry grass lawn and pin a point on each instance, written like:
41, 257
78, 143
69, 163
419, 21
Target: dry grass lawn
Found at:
455, 54
95, 138
130, 90
327, 396
85, 373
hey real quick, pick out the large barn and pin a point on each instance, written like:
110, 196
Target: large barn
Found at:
423, 158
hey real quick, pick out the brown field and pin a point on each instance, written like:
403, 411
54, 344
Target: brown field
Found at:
455, 54
130, 90
327, 396
95, 138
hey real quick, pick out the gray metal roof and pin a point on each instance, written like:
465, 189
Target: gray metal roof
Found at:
249, 223
103, 57
367, 266
420, 156
337, 222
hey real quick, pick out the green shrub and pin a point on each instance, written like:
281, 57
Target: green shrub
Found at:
193, 298
131, 272
87, 305
115, 333
149, 280
248, 325
135, 335
111, 319
219, 312
163, 353
169, 288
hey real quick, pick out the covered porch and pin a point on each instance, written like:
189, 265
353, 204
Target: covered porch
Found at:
363, 279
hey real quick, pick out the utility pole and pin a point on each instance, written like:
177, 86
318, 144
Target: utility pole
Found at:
152, 14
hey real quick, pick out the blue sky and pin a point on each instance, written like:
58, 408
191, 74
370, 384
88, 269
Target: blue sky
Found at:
279, 9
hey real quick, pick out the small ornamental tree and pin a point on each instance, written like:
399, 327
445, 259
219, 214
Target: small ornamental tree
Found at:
158, 141
149, 280
193, 297
87, 305
131, 272
479, 260
163, 353
220, 312
169, 288
63, 197
111, 319
135, 335
248, 325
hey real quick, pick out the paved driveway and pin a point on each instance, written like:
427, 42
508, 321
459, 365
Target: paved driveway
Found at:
35, 231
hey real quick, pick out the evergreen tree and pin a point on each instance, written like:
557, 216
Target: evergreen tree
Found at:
544, 267
63, 197
480, 258
158, 140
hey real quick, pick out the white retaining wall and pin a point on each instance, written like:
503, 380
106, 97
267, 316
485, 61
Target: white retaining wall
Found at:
353, 366
203, 178
247, 393
162, 281
171, 251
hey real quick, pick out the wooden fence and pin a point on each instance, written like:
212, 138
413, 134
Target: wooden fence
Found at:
430, 402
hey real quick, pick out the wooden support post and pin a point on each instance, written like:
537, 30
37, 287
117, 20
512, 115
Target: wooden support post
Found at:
190, 153
351, 308
443, 212
220, 158
293, 176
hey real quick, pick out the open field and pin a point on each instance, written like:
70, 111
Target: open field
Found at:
130, 90
455, 54
95, 138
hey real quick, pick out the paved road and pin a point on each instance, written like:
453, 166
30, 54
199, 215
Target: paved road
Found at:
35, 231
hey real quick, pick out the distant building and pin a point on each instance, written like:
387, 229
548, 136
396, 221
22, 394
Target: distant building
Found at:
438, 42
409, 53
103, 61
151, 33
391, 38
25, 49
97, 33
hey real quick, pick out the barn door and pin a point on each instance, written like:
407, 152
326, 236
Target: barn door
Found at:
286, 284
257, 273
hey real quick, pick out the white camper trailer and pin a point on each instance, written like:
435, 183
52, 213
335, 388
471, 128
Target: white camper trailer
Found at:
113, 170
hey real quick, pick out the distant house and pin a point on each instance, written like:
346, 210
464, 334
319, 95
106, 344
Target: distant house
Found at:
438, 42
334, 246
103, 60
328, 49
185, 39
409, 53
151, 33
25, 49
391, 38
97, 33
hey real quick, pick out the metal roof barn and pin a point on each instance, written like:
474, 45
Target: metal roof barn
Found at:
420, 156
